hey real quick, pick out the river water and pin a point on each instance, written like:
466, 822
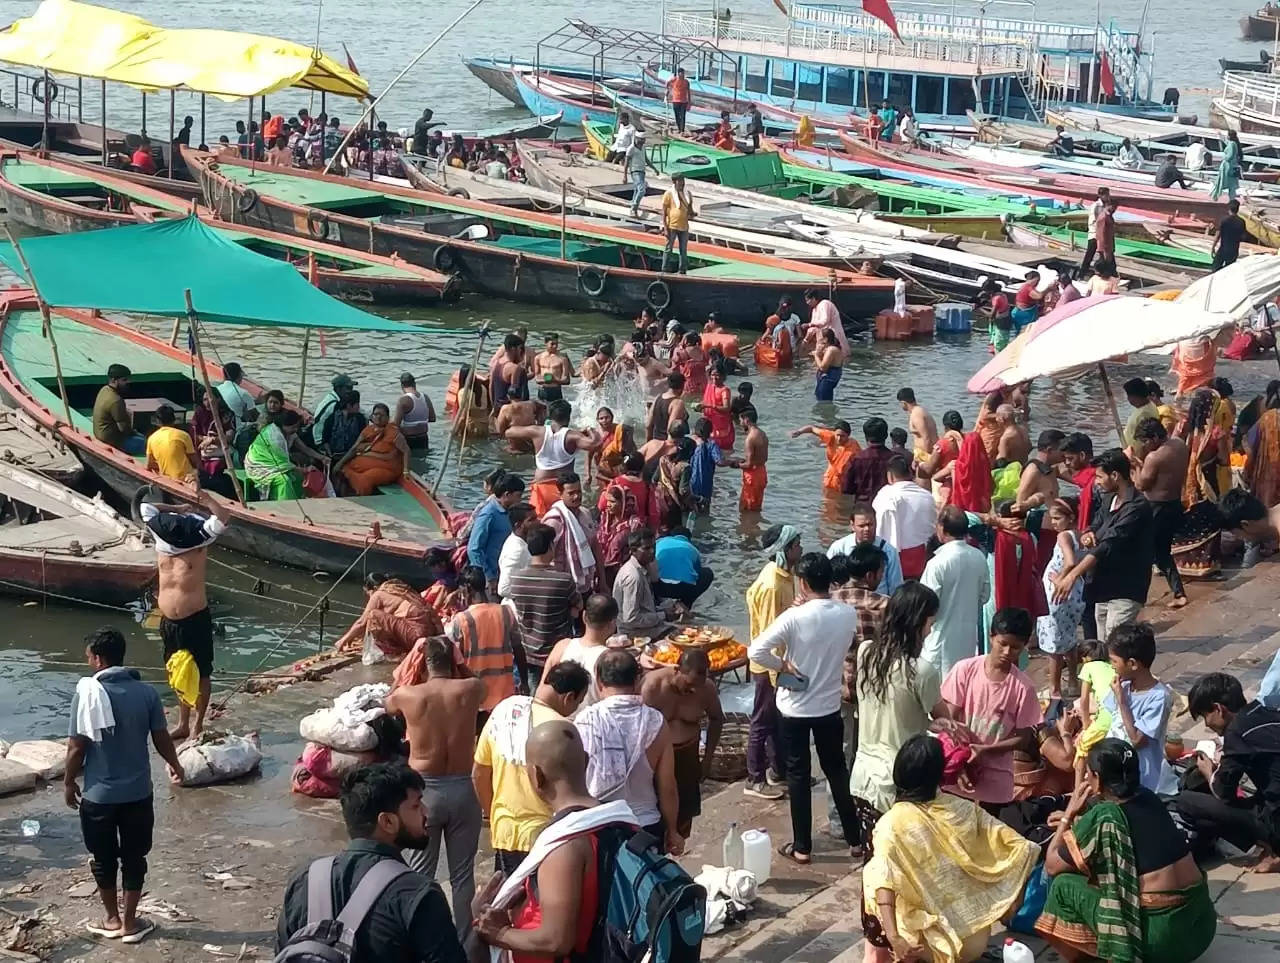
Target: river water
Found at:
43, 650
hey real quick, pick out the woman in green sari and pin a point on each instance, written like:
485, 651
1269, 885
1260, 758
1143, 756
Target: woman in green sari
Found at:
1228, 179
1125, 886
268, 464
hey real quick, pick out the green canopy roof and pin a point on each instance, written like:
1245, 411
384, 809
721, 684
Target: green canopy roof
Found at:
146, 268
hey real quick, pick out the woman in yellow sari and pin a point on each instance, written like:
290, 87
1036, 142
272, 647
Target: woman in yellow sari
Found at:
943, 870
1262, 450
380, 455
618, 441
1208, 436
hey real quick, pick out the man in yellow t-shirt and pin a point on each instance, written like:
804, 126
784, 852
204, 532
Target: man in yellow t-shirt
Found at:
677, 208
170, 450
503, 780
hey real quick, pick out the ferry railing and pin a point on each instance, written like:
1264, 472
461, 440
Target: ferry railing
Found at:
1258, 93
24, 92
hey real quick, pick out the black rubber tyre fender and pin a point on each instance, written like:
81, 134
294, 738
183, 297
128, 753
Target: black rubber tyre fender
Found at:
144, 493
247, 201
657, 295
44, 91
445, 259
460, 192
317, 223
592, 281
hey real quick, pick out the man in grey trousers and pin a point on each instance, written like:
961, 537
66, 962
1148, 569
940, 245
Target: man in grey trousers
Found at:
440, 717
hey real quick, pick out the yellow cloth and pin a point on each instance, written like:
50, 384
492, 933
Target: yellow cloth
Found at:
171, 448
769, 596
184, 677
1149, 410
953, 870
518, 813
675, 216
804, 132
1099, 674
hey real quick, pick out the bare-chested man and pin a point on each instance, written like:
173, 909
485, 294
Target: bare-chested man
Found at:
556, 447
1161, 465
1039, 482
924, 430
509, 373
597, 364
183, 536
686, 696
755, 453
667, 409
551, 370
1015, 442
520, 414
440, 721
653, 450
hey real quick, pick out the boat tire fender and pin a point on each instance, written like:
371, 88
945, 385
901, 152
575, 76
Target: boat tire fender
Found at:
591, 280
460, 192
657, 295
445, 259
145, 493
44, 91
317, 223
247, 201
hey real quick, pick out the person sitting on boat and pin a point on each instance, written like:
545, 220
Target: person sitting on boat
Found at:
238, 399
225, 149
888, 120
1167, 174
435, 147
623, 137
142, 161
268, 464
498, 166
280, 155
112, 423
1063, 144
1127, 157
204, 435
909, 129
394, 617
722, 139
380, 455
343, 429
170, 450
1196, 157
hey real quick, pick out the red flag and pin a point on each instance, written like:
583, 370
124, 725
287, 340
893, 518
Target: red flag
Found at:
782, 6
1106, 79
881, 10
351, 64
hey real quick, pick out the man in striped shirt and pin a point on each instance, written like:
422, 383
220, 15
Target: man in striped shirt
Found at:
546, 600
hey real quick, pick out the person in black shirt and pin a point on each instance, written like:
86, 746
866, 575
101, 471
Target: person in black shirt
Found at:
1167, 174
1250, 747
183, 136
1231, 230
422, 130
410, 922
1063, 144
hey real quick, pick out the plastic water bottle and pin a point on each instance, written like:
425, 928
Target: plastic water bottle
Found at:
30, 827
732, 851
757, 854
1015, 952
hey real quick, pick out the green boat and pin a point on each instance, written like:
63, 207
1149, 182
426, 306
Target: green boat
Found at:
769, 172
1068, 239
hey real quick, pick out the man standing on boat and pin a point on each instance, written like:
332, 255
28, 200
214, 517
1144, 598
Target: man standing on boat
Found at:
1095, 212
1231, 231
183, 536
414, 412
622, 138
678, 95
677, 208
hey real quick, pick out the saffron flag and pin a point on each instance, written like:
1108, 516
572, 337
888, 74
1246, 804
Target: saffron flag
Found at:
781, 5
1106, 79
881, 10
351, 64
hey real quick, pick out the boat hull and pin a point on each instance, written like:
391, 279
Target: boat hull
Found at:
1254, 27
83, 579
573, 112
500, 78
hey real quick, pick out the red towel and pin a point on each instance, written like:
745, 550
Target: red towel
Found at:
1084, 480
971, 477
1016, 583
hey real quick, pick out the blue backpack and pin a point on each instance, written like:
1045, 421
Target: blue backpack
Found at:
650, 909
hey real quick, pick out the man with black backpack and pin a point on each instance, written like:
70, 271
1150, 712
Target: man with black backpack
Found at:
365, 904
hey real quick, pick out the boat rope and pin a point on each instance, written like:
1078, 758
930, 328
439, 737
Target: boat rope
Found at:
370, 541
219, 673
45, 593
339, 609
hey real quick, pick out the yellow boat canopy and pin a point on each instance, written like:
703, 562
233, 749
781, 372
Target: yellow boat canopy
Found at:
67, 37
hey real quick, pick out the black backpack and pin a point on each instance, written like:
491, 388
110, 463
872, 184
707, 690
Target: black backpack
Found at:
330, 939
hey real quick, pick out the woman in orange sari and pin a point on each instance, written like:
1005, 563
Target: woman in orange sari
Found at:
1262, 450
717, 406
607, 459
380, 455
988, 425
1193, 363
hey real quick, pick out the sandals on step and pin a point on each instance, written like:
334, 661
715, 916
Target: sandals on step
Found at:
145, 928
788, 851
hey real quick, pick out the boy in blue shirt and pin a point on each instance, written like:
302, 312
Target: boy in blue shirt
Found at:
702, 466
1139, 703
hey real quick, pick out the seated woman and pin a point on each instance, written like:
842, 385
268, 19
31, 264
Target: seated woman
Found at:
205, 435
943, 870
395, 617
344, 426
774, 349
1125, 885
268, 464
379, 457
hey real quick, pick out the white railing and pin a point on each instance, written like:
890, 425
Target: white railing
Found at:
814, 40
1257, 93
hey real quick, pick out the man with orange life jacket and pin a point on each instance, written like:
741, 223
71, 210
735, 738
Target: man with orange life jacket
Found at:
488, 636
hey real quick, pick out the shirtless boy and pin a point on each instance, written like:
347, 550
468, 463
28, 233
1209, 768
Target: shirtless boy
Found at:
551, 370
521, 414
1015, 442
755, 476
686, 696
924, 430
1039, 482
183, 537
1161, 465
440, 721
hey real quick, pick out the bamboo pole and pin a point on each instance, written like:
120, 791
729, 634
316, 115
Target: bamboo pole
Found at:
465, 392
104, 124
46, 323
204, 377
172, 97
302, 381
564, 194
1111, 402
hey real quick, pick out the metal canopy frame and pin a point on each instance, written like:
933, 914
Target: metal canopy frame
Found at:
622, 45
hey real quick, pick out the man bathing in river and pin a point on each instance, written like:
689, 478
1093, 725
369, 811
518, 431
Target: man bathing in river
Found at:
440, 722
924, 430
755, 476
183, 537
551, 370
556, 447
521, 414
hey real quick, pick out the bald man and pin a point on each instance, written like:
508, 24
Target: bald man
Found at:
1015, 441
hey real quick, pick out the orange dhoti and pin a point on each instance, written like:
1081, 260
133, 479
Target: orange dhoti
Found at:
364, 473
754, 481
542, 495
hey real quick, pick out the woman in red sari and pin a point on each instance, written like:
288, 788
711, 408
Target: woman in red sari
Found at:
618, 519
941, 461
631, 477
717, 407
691, 360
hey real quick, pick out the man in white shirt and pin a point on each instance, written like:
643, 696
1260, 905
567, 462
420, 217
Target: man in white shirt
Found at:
514, 557
862, 529
958, 574
814, 638
622, 138
824, 316
905, 516
1127, 157
1095, 212
238, 401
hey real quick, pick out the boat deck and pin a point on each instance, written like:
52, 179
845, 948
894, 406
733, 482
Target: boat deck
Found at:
38, 177
55, 534
328, 195
396, 511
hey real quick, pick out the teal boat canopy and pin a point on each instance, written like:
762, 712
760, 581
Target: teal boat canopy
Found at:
147, 268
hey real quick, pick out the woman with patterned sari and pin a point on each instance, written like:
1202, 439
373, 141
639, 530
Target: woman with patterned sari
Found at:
1208, 437
673, 492
619, 518
1262, 450
268, 464
380, 455
1125, 885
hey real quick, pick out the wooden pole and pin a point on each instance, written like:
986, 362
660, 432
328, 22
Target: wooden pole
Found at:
204, 377
172, 97
564, 195
104, 124
203, 140
1111, 402
306, 338
464, 393
44, 126
46, 324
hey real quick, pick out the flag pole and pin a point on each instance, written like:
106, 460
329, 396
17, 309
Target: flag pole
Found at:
46, 320
194, 328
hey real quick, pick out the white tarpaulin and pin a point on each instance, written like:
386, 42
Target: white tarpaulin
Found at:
1238, 289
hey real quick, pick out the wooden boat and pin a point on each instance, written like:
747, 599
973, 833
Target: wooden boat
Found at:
499, 75
1248, 66
325, 534
1262, 24
524, 255
1263, 222
57, 542
24, 444
59, 197
1065, 239
1249, 102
